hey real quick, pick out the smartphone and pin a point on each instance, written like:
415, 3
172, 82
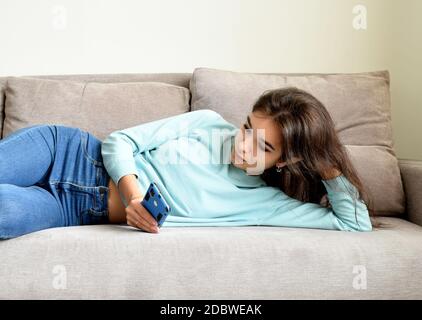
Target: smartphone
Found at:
155, 203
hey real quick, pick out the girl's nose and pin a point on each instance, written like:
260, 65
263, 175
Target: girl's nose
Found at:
247, 145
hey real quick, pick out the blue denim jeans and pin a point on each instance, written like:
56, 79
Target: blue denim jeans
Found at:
51, 176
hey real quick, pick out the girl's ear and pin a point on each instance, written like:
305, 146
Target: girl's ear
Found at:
281, 164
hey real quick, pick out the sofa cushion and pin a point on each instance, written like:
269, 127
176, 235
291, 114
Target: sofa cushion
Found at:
358, 103
176, 78
253, 262
99, 108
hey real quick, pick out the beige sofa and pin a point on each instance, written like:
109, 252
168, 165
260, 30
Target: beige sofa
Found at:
253, 262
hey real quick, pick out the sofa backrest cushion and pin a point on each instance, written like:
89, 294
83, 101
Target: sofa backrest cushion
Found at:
99, 108
178, 79
358, 103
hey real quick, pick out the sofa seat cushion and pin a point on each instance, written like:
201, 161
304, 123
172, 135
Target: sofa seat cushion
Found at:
253, 262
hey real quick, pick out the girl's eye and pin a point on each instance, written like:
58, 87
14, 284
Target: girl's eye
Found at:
245, 126
265, 149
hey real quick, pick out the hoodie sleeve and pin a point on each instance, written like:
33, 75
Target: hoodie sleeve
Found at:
347, 212
120, 147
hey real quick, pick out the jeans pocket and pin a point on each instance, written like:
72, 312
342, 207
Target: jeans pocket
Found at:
98, 212
76, 201
82, 205
92, 216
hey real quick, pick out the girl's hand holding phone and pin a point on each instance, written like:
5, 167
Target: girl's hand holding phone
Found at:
139, 217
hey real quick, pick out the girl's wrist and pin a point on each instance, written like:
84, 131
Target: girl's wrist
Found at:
135, 196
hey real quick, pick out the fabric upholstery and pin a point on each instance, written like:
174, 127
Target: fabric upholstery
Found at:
411, 171
120, 262
99, 108
178, 79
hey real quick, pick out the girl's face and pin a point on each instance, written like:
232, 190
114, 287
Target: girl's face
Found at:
257, 144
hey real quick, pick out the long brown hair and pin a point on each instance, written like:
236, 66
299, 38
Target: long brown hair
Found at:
308, 133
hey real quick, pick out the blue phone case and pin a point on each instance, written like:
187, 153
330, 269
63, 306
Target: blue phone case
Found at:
155, 203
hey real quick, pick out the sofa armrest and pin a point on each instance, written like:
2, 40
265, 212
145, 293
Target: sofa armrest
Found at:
411, 173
